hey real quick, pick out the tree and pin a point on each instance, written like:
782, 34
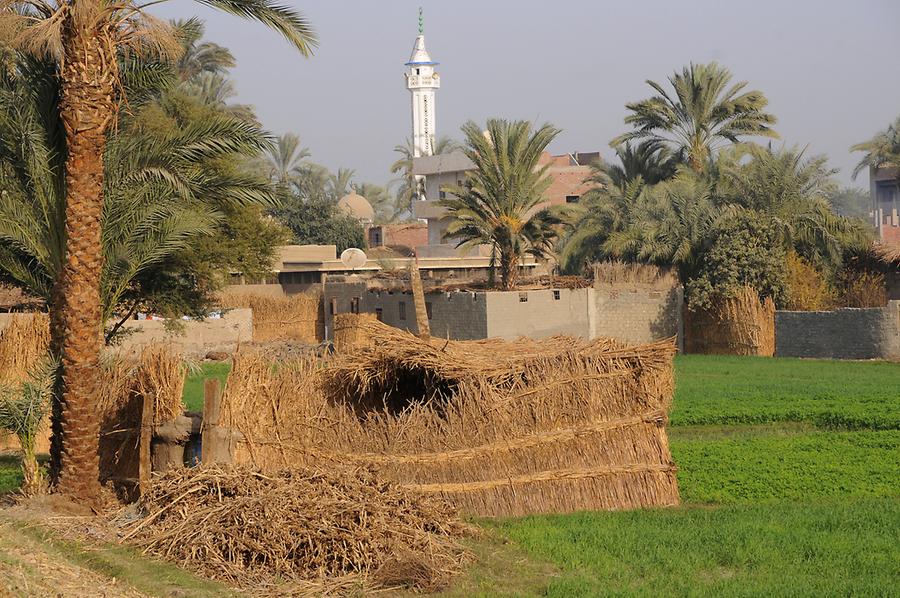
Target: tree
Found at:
703, 112
340, 183
743, 250
881, 150
851, 202
384, 204
651, 160
793, 191
318, 221
500, 202
86, 38
199, 56
286, 162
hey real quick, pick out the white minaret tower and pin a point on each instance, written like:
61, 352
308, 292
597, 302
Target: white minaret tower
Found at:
422, 83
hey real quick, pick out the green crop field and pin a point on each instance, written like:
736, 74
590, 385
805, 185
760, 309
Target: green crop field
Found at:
789, 473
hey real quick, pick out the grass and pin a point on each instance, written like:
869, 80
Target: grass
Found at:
809, 548
788, 474
10, 473
714, 390
193, 384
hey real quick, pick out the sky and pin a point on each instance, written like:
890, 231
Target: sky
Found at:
828, 68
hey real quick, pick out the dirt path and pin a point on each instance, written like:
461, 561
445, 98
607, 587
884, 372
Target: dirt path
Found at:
30, 568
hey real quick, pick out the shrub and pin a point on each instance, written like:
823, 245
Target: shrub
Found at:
862, 288
807, 289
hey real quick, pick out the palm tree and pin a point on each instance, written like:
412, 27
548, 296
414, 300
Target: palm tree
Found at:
286, 162
408, 187
340, 183
86, 38
500, 202
384, 204
794, 192
651, 160
881, 150
197, 56
703, 112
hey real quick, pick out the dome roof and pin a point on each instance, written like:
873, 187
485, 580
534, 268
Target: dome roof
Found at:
357, 206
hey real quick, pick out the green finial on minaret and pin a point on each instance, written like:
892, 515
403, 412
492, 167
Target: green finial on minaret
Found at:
421, 22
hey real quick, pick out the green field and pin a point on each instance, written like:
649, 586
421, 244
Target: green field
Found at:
789, 473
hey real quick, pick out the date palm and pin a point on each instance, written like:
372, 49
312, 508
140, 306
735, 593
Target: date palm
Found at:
704, 111
881, 150
86, 38
286, 162
500, 203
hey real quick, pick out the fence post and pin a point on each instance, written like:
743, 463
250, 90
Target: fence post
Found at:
212, 404
145, 432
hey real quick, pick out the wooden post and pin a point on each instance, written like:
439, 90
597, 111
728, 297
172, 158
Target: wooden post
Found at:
145, 432
415, 279
212, 405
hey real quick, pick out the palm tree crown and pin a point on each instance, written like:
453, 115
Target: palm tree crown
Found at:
703, 111
500, 202
881, 150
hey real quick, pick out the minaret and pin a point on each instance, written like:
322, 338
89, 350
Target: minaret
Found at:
422, 82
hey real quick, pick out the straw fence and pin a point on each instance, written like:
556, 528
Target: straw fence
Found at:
742, 325
498, 428
295, 317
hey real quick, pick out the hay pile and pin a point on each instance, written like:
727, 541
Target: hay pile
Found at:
23, 343
741, 325
498, 428
299, 526
295, 317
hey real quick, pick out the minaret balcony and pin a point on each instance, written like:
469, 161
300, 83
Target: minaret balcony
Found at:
423, 81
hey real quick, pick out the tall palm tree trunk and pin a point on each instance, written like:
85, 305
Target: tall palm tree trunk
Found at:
86, 109
509, 269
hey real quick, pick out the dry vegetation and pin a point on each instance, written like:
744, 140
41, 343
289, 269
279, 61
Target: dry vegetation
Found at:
298, 531
740, 325
295, 317
498, 428
633, 274
23, 343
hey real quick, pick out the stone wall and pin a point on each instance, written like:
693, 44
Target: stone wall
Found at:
638, 313
872, 333
458, 315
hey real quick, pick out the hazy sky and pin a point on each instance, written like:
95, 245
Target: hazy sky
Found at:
829, 68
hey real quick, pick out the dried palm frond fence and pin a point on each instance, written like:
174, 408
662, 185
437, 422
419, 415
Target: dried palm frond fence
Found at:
23, 344
295, 317
137, 397
497, 428
741, 325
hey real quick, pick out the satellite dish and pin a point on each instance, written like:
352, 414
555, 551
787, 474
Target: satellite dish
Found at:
354, 258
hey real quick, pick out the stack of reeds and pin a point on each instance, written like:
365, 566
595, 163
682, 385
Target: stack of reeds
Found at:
740, 325
349, 330
626, 273
313, 530
23, 343
295, 317
498, 428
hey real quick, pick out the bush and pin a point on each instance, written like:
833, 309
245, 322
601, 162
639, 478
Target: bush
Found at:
807, 289
862, 288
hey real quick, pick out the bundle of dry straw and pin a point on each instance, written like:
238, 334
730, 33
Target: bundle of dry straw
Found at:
295, 317
247, 529
740, 325
23, 343
498, 428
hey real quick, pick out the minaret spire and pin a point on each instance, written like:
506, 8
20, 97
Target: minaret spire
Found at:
422, 82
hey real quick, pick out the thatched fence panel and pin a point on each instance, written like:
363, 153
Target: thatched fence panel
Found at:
742, 325
497, 428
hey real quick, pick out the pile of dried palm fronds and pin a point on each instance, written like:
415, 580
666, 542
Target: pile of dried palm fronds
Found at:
624, 273
739, 325
339, 526
498, 428
294, 317
23, 343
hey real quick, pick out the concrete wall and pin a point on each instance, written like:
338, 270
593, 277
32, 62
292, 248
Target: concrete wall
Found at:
539, 314
194, 339
631, 314
849, 333
457, 315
